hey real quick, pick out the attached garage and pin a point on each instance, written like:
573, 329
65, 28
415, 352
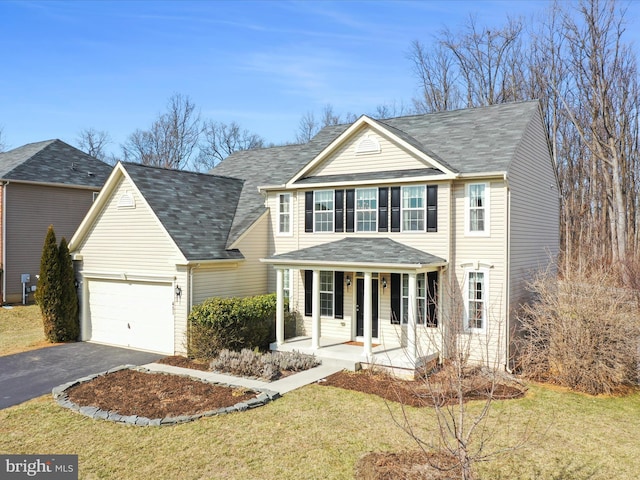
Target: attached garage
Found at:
130, 314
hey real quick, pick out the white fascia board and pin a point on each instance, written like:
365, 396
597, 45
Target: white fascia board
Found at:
50, 184
478, 175
227, 262
353, 266
96, 206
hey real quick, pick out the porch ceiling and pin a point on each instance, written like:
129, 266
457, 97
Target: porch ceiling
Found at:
360, 253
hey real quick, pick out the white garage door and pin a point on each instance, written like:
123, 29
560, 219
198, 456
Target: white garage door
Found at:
131, 314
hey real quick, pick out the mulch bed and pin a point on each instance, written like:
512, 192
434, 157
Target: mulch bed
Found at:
417, 393
155, 395
407, 466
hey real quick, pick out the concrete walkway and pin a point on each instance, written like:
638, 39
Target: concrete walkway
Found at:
281, 386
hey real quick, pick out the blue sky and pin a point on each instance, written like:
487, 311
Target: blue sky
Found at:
69, 65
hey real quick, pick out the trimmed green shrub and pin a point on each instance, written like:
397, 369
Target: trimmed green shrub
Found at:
68, 303
231, 323
56, 293
48, 289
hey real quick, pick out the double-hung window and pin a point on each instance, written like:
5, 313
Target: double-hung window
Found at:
366, 209
413, 208
323, 211
286, 285
476, 297
326, 294
477, 200
284, 213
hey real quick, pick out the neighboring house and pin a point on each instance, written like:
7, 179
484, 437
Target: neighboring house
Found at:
41, 184
393, 235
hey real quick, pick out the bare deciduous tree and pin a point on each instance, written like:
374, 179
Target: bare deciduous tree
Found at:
172, 138
221, 140
94, 142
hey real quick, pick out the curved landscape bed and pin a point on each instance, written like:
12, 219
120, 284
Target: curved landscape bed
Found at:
136, 396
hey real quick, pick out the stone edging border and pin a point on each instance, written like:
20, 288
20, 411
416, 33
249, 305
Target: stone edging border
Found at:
59, 394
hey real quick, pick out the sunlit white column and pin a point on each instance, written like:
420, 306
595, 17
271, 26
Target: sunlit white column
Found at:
279, 306
411, 321
315, 307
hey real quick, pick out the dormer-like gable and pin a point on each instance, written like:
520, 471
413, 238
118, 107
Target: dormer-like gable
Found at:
371, 149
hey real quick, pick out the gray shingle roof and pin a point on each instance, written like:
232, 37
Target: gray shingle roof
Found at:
368, 176
53, 161
363, 251
268, 166
474, 140
197, 209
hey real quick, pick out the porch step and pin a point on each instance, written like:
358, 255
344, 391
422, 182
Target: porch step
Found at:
344, 364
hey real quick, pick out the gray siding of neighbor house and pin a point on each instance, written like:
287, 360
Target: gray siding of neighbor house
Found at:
30, 209
535, 210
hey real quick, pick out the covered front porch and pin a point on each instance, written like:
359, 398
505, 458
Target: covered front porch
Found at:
364, 302
335, 351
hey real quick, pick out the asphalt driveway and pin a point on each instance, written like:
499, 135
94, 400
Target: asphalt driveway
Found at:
27, 375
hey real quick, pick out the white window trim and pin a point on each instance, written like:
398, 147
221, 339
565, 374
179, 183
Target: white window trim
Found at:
290, 213
287, 274
333, 212
404, 315
355, 210
465, 289
467, 211
328, 292
424, 209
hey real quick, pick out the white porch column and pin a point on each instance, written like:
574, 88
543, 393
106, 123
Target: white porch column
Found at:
315, 307
366, 314
279, 306
411, 321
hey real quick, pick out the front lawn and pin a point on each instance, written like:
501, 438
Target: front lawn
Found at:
319, 432
21, 329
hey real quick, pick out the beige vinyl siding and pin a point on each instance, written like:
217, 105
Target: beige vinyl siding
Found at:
181, 309
535, 210
246, 278
126, 240
487, 252
30, 210
346, 160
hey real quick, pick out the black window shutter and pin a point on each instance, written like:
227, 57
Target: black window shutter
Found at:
338, 290
432, 208
396, 289
308, 212
432, 301
395, 209
383, 209
339, 211
351, 196
308, 292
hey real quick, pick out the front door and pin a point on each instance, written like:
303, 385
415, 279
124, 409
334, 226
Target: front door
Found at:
360, 308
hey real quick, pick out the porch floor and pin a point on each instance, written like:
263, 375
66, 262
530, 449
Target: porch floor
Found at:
338, 352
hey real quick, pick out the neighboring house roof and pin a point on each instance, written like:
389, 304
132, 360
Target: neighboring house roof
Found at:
53, 162
196, 209
476, 140
360, 252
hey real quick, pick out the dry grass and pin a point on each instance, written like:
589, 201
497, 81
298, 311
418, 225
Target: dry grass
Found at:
21, 329
320, 433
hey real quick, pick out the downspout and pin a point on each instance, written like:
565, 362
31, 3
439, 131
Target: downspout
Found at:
3, 282
507, 247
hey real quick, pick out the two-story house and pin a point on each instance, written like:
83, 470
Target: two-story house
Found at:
396, 240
